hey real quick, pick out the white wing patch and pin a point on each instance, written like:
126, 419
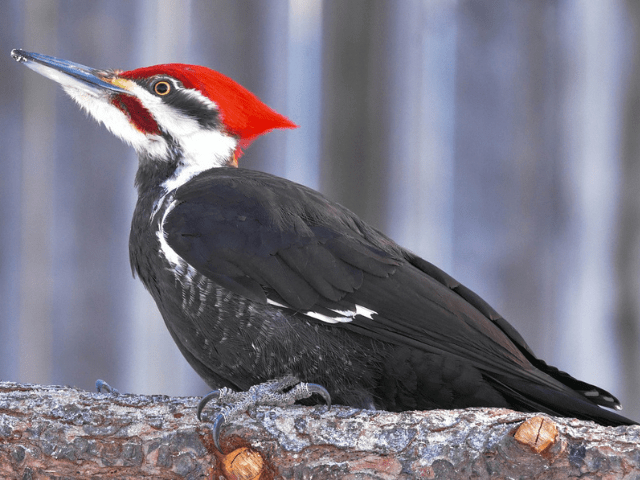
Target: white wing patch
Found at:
188, 276
275, 304
344, 316
327, 318
365, 312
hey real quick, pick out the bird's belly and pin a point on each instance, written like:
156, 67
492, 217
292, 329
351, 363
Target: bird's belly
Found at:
233, 341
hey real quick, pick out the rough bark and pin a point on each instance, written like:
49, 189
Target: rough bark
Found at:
60, 432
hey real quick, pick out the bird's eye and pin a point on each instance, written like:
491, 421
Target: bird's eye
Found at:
162, 88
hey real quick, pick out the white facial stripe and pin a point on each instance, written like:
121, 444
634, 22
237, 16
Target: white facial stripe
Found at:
200, 98
173, 121
202, 149
115, 120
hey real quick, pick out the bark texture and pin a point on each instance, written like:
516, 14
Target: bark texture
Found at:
59, 432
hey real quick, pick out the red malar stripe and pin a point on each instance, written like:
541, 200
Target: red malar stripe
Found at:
138, 115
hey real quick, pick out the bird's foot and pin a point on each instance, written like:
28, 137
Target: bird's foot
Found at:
103, 386
269, 393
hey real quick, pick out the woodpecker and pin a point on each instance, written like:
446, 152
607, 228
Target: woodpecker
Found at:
258, 278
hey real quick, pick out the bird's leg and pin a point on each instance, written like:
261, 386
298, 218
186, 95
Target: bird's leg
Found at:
268, 393
101, 386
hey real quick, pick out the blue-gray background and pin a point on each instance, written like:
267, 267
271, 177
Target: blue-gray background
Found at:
498, 139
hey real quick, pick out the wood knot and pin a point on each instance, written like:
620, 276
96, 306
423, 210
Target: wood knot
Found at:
243, 464
539, 433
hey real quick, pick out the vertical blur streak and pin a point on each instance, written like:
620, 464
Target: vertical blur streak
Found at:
304, 99
37, 170
355, 106
507, 206
592, 159
421, 125
11, 121
271, 28
628, 248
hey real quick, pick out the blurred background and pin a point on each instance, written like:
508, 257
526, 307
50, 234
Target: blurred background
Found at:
500, 140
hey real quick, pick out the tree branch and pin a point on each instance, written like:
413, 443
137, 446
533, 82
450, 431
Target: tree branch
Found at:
53, 432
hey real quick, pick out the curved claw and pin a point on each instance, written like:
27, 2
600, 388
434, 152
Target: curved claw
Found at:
206, 399
102, 385
217, 427
320, 390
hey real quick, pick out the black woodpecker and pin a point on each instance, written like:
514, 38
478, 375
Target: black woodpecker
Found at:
259, 278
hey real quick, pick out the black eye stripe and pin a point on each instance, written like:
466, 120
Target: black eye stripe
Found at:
182, 99
193, 107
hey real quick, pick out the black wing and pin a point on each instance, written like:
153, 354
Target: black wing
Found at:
272, 240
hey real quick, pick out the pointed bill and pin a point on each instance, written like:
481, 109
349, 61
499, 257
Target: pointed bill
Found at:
68, 74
